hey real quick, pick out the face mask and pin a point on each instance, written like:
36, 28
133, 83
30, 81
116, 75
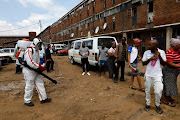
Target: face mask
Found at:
38, 46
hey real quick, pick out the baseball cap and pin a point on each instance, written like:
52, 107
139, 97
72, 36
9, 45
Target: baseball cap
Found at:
137, 40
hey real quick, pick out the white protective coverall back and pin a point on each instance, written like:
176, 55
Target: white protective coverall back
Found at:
31, 56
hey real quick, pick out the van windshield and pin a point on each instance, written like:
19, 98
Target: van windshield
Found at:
107, 42
7, 50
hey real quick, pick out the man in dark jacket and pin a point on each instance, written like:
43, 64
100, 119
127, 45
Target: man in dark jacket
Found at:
121, 55
49, 60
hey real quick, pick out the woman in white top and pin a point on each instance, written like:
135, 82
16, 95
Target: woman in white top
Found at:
110, 60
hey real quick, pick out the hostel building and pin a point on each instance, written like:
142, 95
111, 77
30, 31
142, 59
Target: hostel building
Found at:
145, 19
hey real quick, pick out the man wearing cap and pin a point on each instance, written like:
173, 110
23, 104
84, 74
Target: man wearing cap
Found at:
133, 61
120, 54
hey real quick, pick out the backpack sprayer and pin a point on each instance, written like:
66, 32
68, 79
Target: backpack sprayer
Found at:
24, 45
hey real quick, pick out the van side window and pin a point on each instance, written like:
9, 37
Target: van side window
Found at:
107, 42
77, 45
89, 44
72, 44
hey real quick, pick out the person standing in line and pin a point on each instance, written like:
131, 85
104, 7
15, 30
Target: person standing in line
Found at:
171, 72
110, 60
84, 52
133, 61
102, 58
120, 54
54, 50
49, 60
153, 58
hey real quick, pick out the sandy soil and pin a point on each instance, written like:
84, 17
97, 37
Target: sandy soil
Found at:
78, 97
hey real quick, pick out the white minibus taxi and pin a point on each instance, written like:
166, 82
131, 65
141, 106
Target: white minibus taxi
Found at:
93, 44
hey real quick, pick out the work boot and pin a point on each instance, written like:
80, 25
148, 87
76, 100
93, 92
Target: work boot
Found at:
115, 80
46, 100
29, 104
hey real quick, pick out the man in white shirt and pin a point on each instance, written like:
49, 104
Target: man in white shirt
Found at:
153, 58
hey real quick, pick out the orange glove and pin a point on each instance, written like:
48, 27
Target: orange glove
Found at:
41, 67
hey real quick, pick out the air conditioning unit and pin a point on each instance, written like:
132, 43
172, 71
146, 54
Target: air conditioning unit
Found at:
150, 17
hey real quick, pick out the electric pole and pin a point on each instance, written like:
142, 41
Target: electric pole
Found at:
40, 29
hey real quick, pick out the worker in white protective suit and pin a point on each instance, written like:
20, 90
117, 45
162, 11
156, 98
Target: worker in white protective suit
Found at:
31, 56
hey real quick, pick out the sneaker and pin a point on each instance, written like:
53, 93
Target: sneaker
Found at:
88, 73
46, 100
159, 110
29, 104
147, 107
83, 73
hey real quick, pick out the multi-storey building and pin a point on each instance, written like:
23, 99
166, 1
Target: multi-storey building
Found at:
145, 19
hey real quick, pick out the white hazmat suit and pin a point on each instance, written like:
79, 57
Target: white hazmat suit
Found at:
31, 56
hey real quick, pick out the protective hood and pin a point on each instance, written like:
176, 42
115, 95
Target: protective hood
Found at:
37, 43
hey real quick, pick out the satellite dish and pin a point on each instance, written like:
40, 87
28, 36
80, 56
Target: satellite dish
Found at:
105, 25
97, 29
72, 35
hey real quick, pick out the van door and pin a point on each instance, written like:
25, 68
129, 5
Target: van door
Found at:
77, 57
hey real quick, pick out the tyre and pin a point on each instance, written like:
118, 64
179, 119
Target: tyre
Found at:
64, 54
72, 61
9, 59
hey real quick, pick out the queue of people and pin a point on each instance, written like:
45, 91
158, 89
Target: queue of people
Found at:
163, 80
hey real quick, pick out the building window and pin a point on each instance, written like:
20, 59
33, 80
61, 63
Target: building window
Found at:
104, 4
94, 7
105, 20
88, 26
134, 10
112, 11
88, 10
76, 17
150, 12
80, 14
114, 23
113, 2
150, 4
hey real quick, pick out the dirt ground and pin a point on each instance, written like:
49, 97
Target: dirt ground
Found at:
78, 97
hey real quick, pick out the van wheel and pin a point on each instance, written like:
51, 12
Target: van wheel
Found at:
9, 59
72, 61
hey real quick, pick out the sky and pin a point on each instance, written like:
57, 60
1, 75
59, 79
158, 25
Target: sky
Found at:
18, 17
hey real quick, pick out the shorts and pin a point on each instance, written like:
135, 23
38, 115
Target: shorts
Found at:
137, 70
103, 62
